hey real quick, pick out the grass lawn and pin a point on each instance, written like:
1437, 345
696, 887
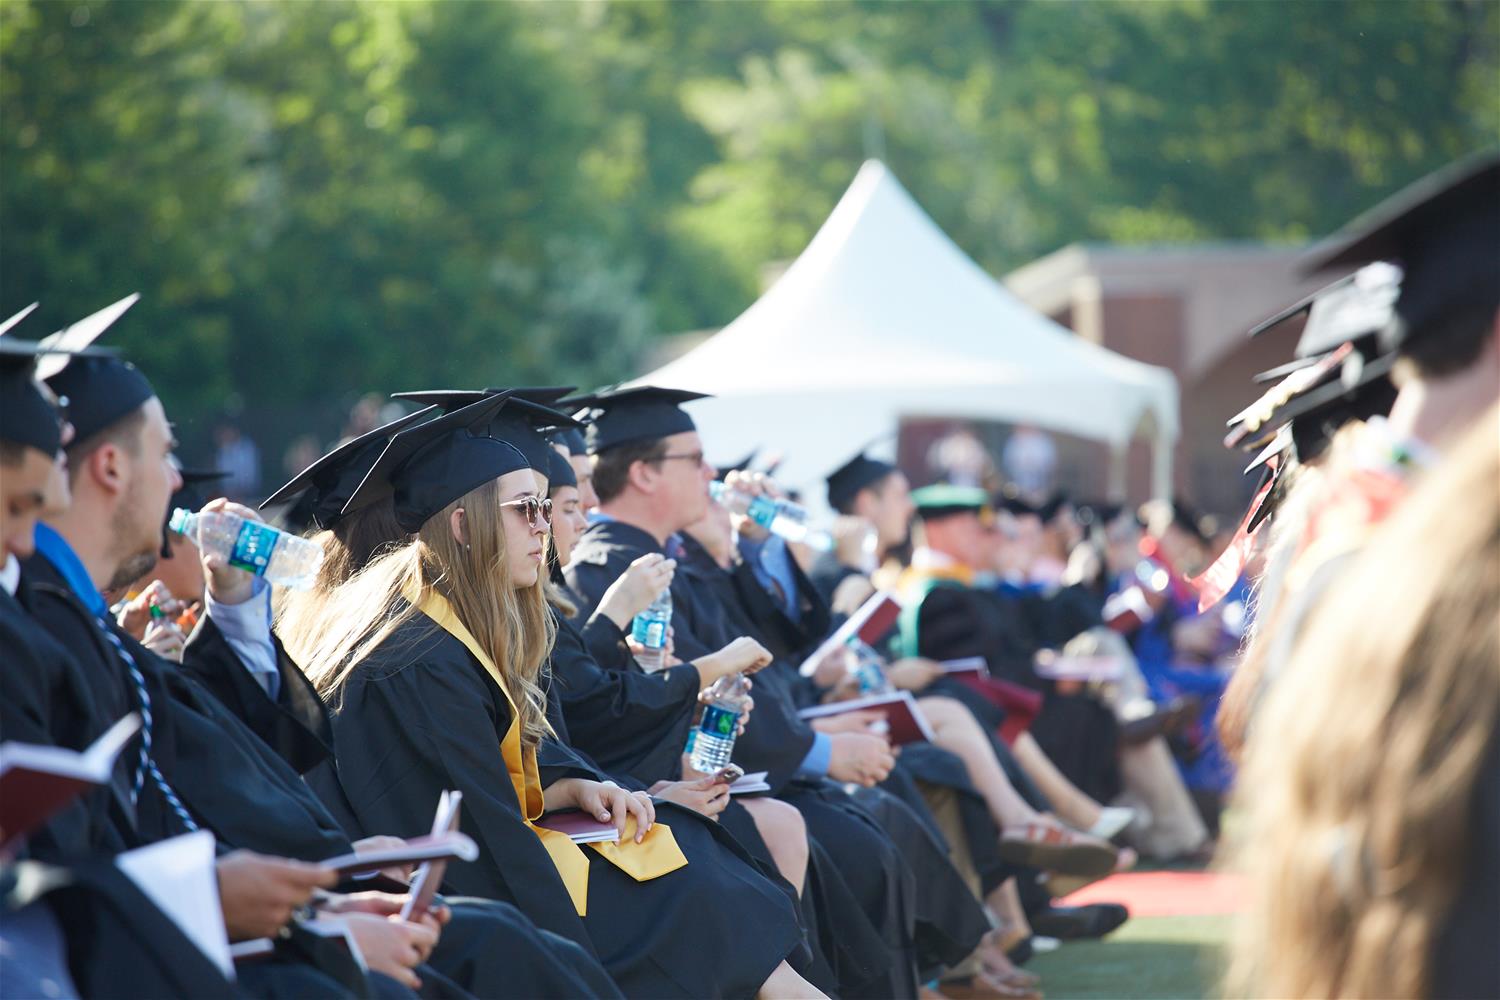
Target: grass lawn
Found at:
1153, 958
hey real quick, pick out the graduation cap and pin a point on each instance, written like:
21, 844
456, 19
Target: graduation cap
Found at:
1442, 230
570, 438
426, 467
27, 416
860, 472
743, 465
98, 389
327, 484
560, 471
523, 422
189, 496
638, 413
9, 324
1354, 307
942, 500
1012, 502
1315, 401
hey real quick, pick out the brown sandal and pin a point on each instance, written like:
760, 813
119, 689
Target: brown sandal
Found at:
1058, 849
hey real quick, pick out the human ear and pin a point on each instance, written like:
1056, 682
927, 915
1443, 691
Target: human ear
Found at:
457, 526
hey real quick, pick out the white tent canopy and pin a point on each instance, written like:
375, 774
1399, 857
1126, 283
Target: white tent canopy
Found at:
884, 317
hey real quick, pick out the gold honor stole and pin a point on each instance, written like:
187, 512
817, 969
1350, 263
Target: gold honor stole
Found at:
653, 857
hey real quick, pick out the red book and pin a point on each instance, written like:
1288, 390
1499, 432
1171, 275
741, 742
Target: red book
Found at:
424, 885
36, 782
904, 719
870, 624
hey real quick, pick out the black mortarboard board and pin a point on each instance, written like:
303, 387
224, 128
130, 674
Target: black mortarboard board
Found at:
1359, 305
945, 499
742, 465
1444, 231
327, 484
571, 438
635, 413
10, 323
99, 390
522, 422
1316, 400
560, 471
1053, 505
189, 496
860, 472
425, 468
1011, 501
27, 416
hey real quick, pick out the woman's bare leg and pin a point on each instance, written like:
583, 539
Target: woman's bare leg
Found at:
959, 733
785, 832
1068, 800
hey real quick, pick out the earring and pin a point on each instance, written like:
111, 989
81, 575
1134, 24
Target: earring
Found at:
468, 547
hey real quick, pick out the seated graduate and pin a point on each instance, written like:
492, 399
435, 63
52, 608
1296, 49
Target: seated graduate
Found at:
952, 611
200, 764
652, 482
44, 908
430, 658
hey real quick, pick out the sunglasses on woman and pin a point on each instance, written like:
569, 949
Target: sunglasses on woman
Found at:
537, 510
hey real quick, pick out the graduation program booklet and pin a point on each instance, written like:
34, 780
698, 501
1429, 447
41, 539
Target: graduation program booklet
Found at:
433, 847
904, 720
755, 781
37, 781
178, 876
424, 885
870, 624
580, 827
966, 666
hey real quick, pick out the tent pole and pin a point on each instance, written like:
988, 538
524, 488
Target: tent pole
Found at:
1116, 486
1161, 468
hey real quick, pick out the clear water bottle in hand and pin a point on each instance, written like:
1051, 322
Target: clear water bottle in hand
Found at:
649, 630
713, 740
867, 668
779, 517
255, 547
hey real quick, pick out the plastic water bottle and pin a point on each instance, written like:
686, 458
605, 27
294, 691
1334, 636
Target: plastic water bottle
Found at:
713, 741
283, 559
867, 668
649, 628
779, 517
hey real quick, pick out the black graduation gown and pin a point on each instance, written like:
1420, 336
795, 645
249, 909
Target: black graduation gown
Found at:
705, 617
624, 719
1078, 733
420, 714
826, 573
238, 786
949, 921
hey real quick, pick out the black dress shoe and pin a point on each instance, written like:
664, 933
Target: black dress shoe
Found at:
1070, 923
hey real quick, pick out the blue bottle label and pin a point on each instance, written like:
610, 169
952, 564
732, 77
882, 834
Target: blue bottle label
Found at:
649, 632
762, 511
718, 721
253, 547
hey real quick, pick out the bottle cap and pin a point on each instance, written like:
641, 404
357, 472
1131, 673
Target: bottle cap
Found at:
178, 522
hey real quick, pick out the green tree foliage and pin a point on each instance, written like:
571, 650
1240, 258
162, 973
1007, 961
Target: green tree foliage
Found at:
319, 199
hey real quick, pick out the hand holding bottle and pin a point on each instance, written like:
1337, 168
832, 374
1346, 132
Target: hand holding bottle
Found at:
636, 588
742, 656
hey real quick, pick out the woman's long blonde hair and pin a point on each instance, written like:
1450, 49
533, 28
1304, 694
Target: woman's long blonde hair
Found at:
1361, 768
333, 636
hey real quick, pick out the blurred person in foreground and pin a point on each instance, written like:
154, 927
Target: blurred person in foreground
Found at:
1371, 786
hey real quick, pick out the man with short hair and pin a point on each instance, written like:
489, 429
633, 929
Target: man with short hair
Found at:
652, 481
878, 494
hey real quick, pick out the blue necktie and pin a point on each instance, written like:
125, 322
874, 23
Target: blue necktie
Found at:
146, 765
